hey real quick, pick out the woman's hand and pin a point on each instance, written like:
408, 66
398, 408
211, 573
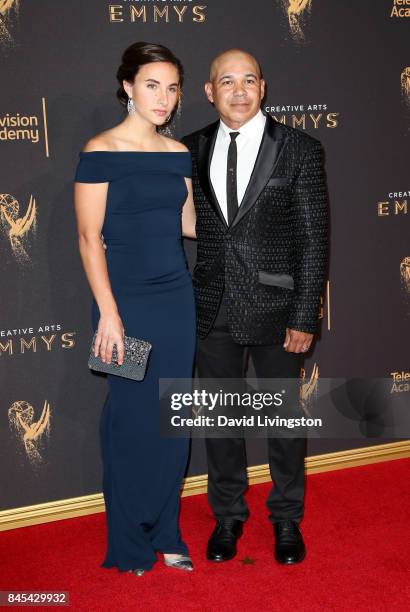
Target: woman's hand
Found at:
188, 213
110, 331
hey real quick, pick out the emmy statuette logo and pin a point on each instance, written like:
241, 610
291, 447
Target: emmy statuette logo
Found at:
31, 433
308, 387
405, 85
7, 7
405, 284
297, 12
16, 225
405, 274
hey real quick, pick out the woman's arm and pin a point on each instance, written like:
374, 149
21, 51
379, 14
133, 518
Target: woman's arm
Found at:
90, 203
188, 213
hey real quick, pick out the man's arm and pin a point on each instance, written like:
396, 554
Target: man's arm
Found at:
310, 241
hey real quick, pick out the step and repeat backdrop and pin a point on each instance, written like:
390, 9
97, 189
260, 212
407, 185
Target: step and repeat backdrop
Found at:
339, 70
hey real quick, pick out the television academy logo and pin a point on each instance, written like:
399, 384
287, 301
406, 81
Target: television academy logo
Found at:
400, 382
297, 12
8, 11
20, 127
18, 226
156, 11
31, 433
400, 8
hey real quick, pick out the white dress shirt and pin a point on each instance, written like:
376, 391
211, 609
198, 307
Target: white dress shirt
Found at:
248, 143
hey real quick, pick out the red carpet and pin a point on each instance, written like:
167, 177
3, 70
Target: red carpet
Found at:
356, 530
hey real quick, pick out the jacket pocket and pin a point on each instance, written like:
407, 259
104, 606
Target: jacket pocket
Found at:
279, 181
276, 280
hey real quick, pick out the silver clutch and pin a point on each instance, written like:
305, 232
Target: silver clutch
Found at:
134, 365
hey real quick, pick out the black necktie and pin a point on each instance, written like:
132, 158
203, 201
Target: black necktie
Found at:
231, 185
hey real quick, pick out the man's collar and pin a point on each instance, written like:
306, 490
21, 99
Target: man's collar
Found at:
248, 129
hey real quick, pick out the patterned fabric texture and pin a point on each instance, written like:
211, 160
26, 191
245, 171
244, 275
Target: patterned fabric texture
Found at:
272, 260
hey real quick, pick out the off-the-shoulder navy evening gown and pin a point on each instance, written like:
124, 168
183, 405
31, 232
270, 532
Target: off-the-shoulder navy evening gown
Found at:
142, 471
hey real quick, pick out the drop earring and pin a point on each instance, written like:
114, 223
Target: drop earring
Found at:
179, 107
130, 106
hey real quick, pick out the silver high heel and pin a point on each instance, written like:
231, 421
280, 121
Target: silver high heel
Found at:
137, 572
181, 562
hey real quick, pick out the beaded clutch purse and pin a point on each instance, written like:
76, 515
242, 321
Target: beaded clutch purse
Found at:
136, 353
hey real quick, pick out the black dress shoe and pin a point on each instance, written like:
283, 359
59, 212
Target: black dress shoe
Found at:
289, 545
222, 543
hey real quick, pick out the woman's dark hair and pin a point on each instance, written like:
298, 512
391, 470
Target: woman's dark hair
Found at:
138, 55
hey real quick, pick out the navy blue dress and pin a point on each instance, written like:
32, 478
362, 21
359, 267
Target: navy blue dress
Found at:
142, 471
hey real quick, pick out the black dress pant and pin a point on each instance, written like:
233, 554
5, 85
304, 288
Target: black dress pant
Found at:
218, 356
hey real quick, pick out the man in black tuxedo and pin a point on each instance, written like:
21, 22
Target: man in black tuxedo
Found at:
261, 202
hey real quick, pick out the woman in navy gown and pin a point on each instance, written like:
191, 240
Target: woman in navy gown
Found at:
133, 187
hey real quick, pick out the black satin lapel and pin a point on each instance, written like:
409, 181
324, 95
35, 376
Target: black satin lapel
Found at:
206, 149
268, 156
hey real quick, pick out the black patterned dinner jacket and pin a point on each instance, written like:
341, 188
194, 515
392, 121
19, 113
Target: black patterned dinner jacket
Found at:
272, 259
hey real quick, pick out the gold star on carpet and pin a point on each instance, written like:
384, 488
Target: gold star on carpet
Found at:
248, 561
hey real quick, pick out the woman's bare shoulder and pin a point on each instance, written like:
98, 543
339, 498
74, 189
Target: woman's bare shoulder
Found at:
105, 141
174, 145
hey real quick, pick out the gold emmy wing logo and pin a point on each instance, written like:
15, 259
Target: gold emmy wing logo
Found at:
16, 226
405, 85
308, 388
405, 274
5, 8
297, 12
30, 432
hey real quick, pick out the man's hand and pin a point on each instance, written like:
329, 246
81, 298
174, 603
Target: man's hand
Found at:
297, 341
